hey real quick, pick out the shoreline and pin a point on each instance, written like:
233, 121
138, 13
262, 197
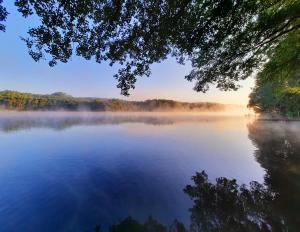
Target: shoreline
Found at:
280, 119
277, 118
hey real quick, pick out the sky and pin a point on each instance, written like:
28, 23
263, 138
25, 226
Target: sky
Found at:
84, 78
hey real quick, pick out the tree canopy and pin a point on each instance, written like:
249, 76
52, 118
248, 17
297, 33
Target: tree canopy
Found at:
277, 88
225, 40
3, 16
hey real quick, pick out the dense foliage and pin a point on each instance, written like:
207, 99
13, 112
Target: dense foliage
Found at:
225, 40
3, 16
277, 87
13, 100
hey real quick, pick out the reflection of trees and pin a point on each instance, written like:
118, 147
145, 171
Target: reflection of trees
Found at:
131, 225
224, 205
8, 124
151, 225
278, 152
273, 206
61, 121
227, 206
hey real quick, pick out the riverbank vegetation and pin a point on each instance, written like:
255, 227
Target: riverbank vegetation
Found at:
277, 88
13, 100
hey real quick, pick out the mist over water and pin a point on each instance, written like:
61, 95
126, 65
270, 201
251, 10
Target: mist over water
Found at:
10, 121
62, 171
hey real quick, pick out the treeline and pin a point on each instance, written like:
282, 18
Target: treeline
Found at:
13, 100
277, 89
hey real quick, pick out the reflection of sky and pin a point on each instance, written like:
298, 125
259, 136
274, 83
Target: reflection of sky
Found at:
87, 78
85, 175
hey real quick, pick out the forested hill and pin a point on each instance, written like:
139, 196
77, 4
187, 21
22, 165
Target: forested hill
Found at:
13, 100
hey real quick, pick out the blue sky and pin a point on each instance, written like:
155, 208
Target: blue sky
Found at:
87, 78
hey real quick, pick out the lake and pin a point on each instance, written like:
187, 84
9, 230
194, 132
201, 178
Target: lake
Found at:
73, 171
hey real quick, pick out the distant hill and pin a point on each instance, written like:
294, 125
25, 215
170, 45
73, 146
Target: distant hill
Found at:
13, 100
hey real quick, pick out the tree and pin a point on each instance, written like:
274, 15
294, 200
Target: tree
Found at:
277, 86
3, 16
225, 40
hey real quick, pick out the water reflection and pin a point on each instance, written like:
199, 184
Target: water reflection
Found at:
10, 122
224, 205
227, 206
71, 180
151, 225
278, 152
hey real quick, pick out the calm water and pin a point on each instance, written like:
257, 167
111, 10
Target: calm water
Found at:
70, 172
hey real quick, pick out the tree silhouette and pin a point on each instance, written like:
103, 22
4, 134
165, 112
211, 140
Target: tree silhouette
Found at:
225, 40
3, 16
